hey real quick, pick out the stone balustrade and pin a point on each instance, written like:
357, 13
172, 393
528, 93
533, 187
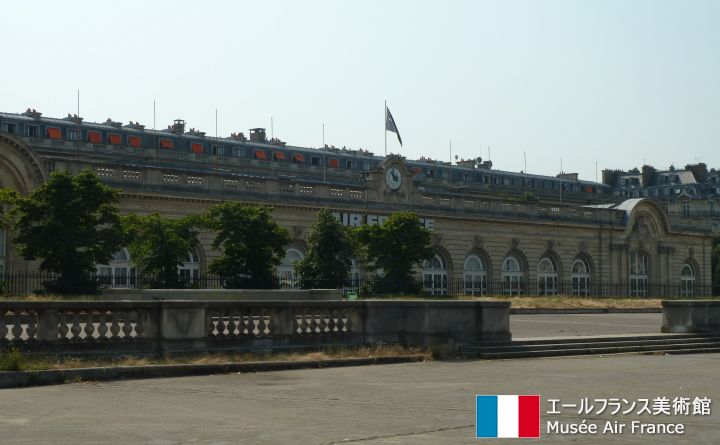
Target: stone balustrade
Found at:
114, 327
691, 316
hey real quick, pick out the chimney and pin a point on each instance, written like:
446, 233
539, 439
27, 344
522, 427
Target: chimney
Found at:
700, 171
648, 174
609, 177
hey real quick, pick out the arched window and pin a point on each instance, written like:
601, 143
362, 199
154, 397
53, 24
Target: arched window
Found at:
687, 281
286, 269
435, 276
119, 273
189, 270
638, 274
580, 277
547, 277
512, 276
475, 276
2, 253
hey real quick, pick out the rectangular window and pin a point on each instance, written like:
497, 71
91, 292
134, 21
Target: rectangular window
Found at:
53, 132
315, 160
9, 128
686, 208
134, 141
94, 137
166, 143
114, 139
218, 150
279, 156
72, 134
260, 154
446, 174
349, 164
196, 147
466, 177
298, 158
238, 151
333, 163
31, 131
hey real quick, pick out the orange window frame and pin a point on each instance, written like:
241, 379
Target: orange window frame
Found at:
260, 154
94, 137
298, 157
54, 133
114, 139
196, 147
134, 141
333, 163
279, 156
166, 143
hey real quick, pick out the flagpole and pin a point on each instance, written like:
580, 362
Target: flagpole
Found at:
385, 127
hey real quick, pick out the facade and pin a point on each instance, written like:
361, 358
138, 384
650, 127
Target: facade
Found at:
577, 239
691, 193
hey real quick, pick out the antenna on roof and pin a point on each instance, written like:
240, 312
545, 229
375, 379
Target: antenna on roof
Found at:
153, 114
216, 123
78, 113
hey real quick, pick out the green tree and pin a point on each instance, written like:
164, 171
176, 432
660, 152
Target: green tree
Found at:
396, 246
715, 264
71, 224
159, 244
252, 244
328, 258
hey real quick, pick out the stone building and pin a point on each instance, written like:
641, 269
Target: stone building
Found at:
577, 239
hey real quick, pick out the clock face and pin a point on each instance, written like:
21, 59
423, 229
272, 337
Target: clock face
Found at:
393, 178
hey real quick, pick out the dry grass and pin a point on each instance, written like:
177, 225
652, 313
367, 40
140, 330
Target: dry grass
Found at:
561, 302
28, 363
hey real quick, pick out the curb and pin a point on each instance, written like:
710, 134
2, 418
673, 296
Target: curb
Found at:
15, 379
604, 310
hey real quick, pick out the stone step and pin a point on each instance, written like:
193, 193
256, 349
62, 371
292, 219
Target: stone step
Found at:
588, 339
594, 345
583, 344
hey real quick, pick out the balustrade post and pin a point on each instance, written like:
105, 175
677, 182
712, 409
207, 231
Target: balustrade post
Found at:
48, 325
282, 321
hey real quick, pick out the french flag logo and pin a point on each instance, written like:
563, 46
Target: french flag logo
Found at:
507, 416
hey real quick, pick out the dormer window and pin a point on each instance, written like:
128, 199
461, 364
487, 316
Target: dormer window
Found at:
31, 131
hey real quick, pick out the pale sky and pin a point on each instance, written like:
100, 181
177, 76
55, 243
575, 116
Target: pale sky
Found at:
617, 82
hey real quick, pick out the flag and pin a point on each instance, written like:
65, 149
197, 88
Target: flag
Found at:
511, 416
390, 124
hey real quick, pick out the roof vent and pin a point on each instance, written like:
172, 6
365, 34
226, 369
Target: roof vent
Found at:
194, 132
32, 113
257, 135
112, 123
73, 118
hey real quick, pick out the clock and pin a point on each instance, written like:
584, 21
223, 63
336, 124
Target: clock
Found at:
393, 178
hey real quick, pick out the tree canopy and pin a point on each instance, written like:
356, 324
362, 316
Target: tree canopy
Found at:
396, 246
251, 244
158, 245
71, 224
329, 254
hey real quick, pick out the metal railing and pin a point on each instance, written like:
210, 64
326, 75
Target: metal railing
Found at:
430, 286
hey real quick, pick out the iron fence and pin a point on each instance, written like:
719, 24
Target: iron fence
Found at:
25, 283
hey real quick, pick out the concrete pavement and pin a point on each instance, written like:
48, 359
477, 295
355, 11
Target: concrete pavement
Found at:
424, 403
558, 325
